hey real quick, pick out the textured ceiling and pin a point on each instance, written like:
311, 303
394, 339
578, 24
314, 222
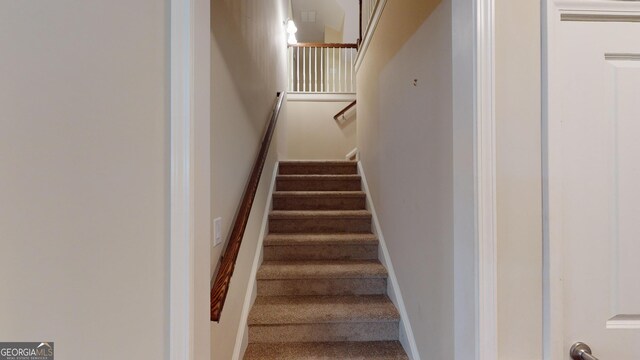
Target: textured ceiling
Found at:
327, 12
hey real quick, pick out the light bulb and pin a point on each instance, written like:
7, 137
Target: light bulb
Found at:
291, 27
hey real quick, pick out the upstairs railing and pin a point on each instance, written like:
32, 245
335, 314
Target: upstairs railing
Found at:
322, 68
220, 286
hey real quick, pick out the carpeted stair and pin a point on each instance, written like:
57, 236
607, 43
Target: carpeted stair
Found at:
321, 288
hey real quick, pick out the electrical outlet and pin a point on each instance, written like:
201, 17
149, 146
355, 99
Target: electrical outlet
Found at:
217, 231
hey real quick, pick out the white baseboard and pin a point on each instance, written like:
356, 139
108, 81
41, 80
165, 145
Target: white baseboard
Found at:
250, 294
393, 289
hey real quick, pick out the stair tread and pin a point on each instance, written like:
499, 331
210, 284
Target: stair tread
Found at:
318, 177
318, 162
343, 214
348, 350
317, 269
319, 193
317, 167
274, 310
320, 239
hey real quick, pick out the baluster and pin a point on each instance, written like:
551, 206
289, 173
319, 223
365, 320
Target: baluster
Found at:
298, 66
351, 70
291, 69
333, 70
339, 70
322, 69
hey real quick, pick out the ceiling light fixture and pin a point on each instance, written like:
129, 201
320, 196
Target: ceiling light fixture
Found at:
291, 27
291, 30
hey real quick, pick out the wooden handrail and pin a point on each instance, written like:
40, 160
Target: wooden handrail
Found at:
344, 111
325, 45
220, 286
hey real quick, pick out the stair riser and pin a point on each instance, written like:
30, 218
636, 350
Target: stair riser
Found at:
367, 331
318, 203
382, 350
300, 169
321, 252
319, 225
318, 185
364, 286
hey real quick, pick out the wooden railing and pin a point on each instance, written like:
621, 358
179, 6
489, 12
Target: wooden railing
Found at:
220, 286
344, 111
322, 68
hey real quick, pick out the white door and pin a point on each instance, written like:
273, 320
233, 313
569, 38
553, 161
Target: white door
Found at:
592, 192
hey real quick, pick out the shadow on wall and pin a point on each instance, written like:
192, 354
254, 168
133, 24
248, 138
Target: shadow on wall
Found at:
249, 44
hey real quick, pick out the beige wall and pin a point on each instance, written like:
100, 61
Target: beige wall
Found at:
519, 179
405, 137
332, 35
202, 181
248, 67
386, 143
464, 187
313, 133
399, 22
84, 164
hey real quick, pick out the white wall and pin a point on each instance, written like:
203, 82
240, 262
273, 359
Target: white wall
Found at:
406, 142
518, 127
351, 25
84, 164
313, 133
248, 60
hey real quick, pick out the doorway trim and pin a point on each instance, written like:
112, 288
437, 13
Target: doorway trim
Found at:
189, 143
485, 183
181, 200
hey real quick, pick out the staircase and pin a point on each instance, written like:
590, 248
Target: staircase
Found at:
321, 288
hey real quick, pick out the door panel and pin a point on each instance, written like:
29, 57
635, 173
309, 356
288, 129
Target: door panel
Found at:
623, 85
